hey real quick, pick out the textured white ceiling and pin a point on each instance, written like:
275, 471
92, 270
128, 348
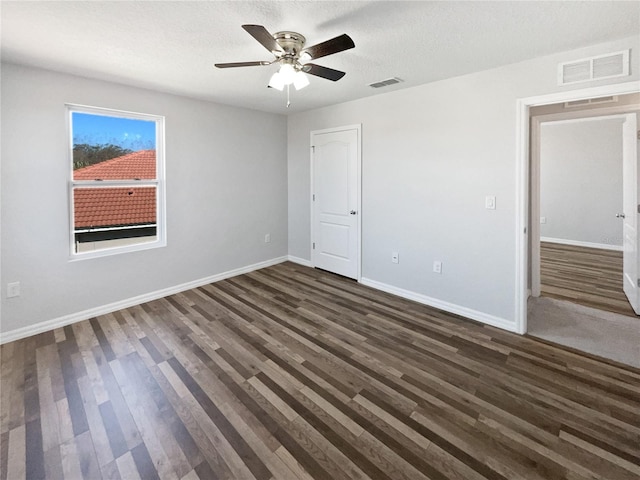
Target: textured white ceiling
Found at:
171, 46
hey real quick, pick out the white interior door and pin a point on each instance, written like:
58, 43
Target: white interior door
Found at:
336, 201
630, 210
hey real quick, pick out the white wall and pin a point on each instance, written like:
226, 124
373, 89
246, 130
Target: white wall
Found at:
430, 156
226, 188
581, 180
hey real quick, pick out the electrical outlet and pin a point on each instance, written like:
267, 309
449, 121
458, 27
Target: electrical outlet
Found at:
543, 219
13, 289
267, 238
437, 266
395, 257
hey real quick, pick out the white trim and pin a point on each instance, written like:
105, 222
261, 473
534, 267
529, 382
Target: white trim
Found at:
534, 199
589, 115
344, 128
522, 179
358, 128
522, 215
579, 243
442, 305
582, 94
65, 320
300, 261
158, 183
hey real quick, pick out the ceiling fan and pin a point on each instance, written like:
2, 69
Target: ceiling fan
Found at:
288, 48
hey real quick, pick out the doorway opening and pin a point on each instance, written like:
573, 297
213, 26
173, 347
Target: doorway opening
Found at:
570, 275
577, 196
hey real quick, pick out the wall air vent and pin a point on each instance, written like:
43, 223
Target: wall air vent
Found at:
385, 83
594, 68
591, 101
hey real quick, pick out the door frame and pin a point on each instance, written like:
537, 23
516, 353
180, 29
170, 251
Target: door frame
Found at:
358, 128
523, 177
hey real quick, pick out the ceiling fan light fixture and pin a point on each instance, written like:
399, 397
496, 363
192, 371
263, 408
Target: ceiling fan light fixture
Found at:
300, 80
276, 81
305, 57
287, 73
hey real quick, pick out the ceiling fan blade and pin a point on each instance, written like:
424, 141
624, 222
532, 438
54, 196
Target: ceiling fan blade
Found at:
241, 64
263, 36
324, 72
335, 45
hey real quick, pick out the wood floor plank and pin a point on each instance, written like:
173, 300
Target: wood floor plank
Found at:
193, 440
49, 415
588, 276
118, 404
144, 463
86, 449
99, 436
65, 427
273, 463
298, 374
16, 455
150, 435
53, 463
34, 453
15, 407
72, 392
110, 471
4, 455
70, 459
127, 467
152, 401
6, 379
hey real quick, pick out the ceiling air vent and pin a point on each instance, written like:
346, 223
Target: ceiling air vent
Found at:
611, 65
591, 101
385, 83
594, 68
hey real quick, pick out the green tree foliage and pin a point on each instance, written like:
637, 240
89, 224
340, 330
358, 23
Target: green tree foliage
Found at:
85, 154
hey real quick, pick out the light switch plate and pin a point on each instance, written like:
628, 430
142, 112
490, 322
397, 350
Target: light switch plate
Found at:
490, 202
395, 258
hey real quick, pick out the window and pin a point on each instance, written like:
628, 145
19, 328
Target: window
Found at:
116, 187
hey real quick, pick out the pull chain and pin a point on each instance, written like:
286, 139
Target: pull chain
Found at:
288, 101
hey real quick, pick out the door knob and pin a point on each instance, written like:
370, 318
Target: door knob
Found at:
352, 212
620, 215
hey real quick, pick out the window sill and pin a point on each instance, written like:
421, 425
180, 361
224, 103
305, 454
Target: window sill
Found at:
108, 252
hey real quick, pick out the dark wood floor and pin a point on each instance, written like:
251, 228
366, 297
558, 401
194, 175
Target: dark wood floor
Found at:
587, 276
293, 373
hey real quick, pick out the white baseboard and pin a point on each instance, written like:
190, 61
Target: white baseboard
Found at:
442, 305
578, 243
65, 320
300, 261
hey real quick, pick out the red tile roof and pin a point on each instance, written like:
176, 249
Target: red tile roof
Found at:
140, 164
107, 207
116, 206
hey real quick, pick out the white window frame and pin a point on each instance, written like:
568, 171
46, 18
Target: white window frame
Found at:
158, 183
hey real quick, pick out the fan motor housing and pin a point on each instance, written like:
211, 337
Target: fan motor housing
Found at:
291, 42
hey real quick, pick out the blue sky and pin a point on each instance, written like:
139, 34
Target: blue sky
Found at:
124, 132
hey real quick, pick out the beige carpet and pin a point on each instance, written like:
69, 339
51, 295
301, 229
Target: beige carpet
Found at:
605, 334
